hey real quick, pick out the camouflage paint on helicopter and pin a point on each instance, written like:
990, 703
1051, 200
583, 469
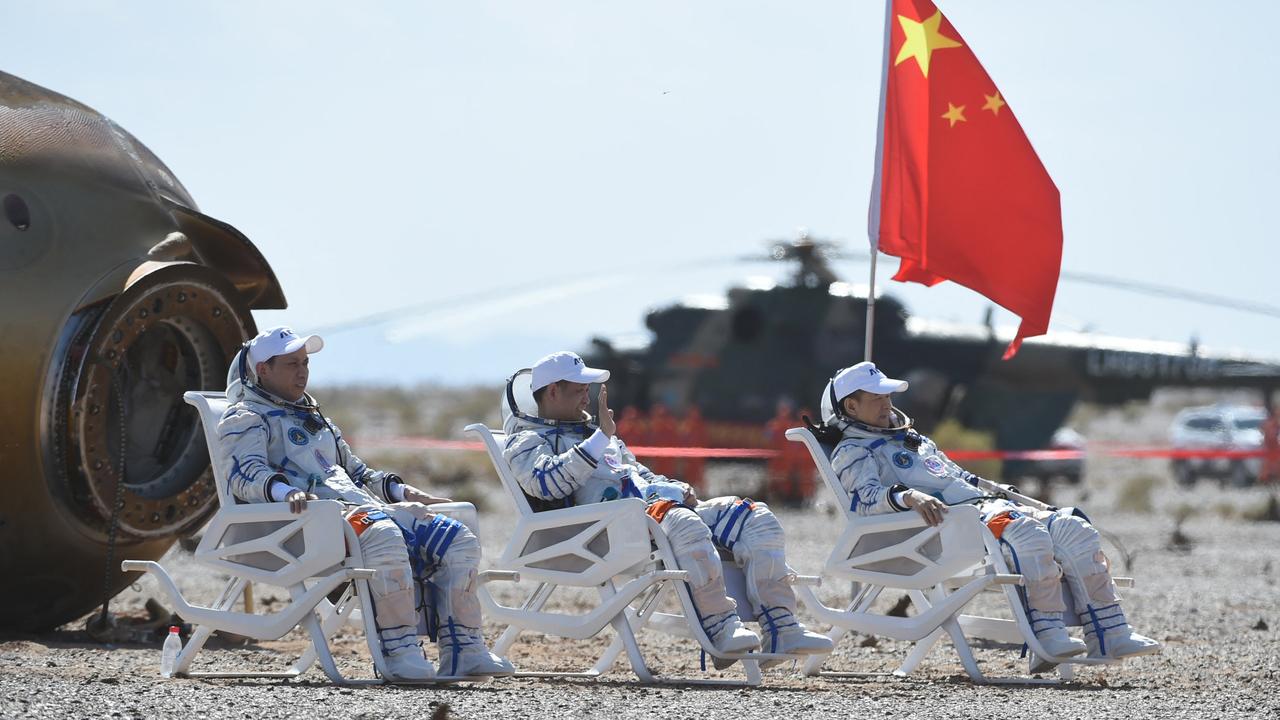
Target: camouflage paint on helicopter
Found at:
118, 296
736, 358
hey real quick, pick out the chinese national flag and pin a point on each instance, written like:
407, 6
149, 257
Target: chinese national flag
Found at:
960, 194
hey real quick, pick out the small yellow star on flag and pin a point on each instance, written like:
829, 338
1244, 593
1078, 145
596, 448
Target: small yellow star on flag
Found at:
994, 103
954, 114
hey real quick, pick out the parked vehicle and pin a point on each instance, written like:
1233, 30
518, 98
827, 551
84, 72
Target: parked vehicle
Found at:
1218, 427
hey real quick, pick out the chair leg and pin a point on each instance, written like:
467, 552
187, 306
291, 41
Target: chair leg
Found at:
637, 620
321, 645
333, 617
964, 651
918, 653
202, 632
622, 626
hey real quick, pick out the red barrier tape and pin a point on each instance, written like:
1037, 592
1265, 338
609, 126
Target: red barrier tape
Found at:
394, 442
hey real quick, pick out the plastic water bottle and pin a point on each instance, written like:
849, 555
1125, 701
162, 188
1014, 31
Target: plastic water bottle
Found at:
169, 656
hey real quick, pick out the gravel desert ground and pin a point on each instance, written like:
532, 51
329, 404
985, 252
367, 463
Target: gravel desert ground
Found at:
1206, 587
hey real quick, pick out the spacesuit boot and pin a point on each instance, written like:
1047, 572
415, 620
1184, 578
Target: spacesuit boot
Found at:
1108, 634
783, 633
408, 664
1051, 631
729, 635
463, 653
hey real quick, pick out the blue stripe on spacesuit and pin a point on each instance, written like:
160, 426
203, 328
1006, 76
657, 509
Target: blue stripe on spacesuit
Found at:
858, 500
711, 631
241, 432
439, 535
1096, 627
454, 528
542, 475
772, 626
1022, 592
734, 516
877, 443
276, 413
629, 488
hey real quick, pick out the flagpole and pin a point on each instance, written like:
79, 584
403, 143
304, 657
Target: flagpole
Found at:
871, 307
873, 212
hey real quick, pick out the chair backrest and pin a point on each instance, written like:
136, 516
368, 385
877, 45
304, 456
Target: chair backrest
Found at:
821, 454
211, 405
493, 444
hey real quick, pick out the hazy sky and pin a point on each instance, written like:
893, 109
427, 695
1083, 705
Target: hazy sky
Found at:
581, 162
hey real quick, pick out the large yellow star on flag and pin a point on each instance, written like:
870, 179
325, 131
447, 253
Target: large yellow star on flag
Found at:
955, 114
922, 39
994, 103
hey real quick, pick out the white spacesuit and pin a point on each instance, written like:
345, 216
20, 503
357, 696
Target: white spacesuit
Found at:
880, 461
577, 463
274, 447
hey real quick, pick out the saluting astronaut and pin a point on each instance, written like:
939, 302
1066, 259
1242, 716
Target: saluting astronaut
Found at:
559, 455
280, 448
888, 467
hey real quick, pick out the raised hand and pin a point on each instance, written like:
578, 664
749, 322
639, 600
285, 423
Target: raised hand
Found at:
604, 415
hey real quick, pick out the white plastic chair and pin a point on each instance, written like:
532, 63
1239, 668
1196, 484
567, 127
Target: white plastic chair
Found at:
310, 554
941, 568
593, 546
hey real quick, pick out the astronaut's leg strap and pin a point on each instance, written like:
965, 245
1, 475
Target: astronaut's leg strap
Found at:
659, 510
998, 523
362, 520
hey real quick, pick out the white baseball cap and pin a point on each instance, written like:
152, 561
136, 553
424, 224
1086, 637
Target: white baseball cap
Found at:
865, 376
564, 366
280, 341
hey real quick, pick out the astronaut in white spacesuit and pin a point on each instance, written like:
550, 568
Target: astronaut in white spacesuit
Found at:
280, 448
888, 467
559, 455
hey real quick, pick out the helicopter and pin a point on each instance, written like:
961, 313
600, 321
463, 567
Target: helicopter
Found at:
735, 358
119, 295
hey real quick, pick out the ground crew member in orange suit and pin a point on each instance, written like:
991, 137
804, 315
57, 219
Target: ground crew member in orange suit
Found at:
781, 468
